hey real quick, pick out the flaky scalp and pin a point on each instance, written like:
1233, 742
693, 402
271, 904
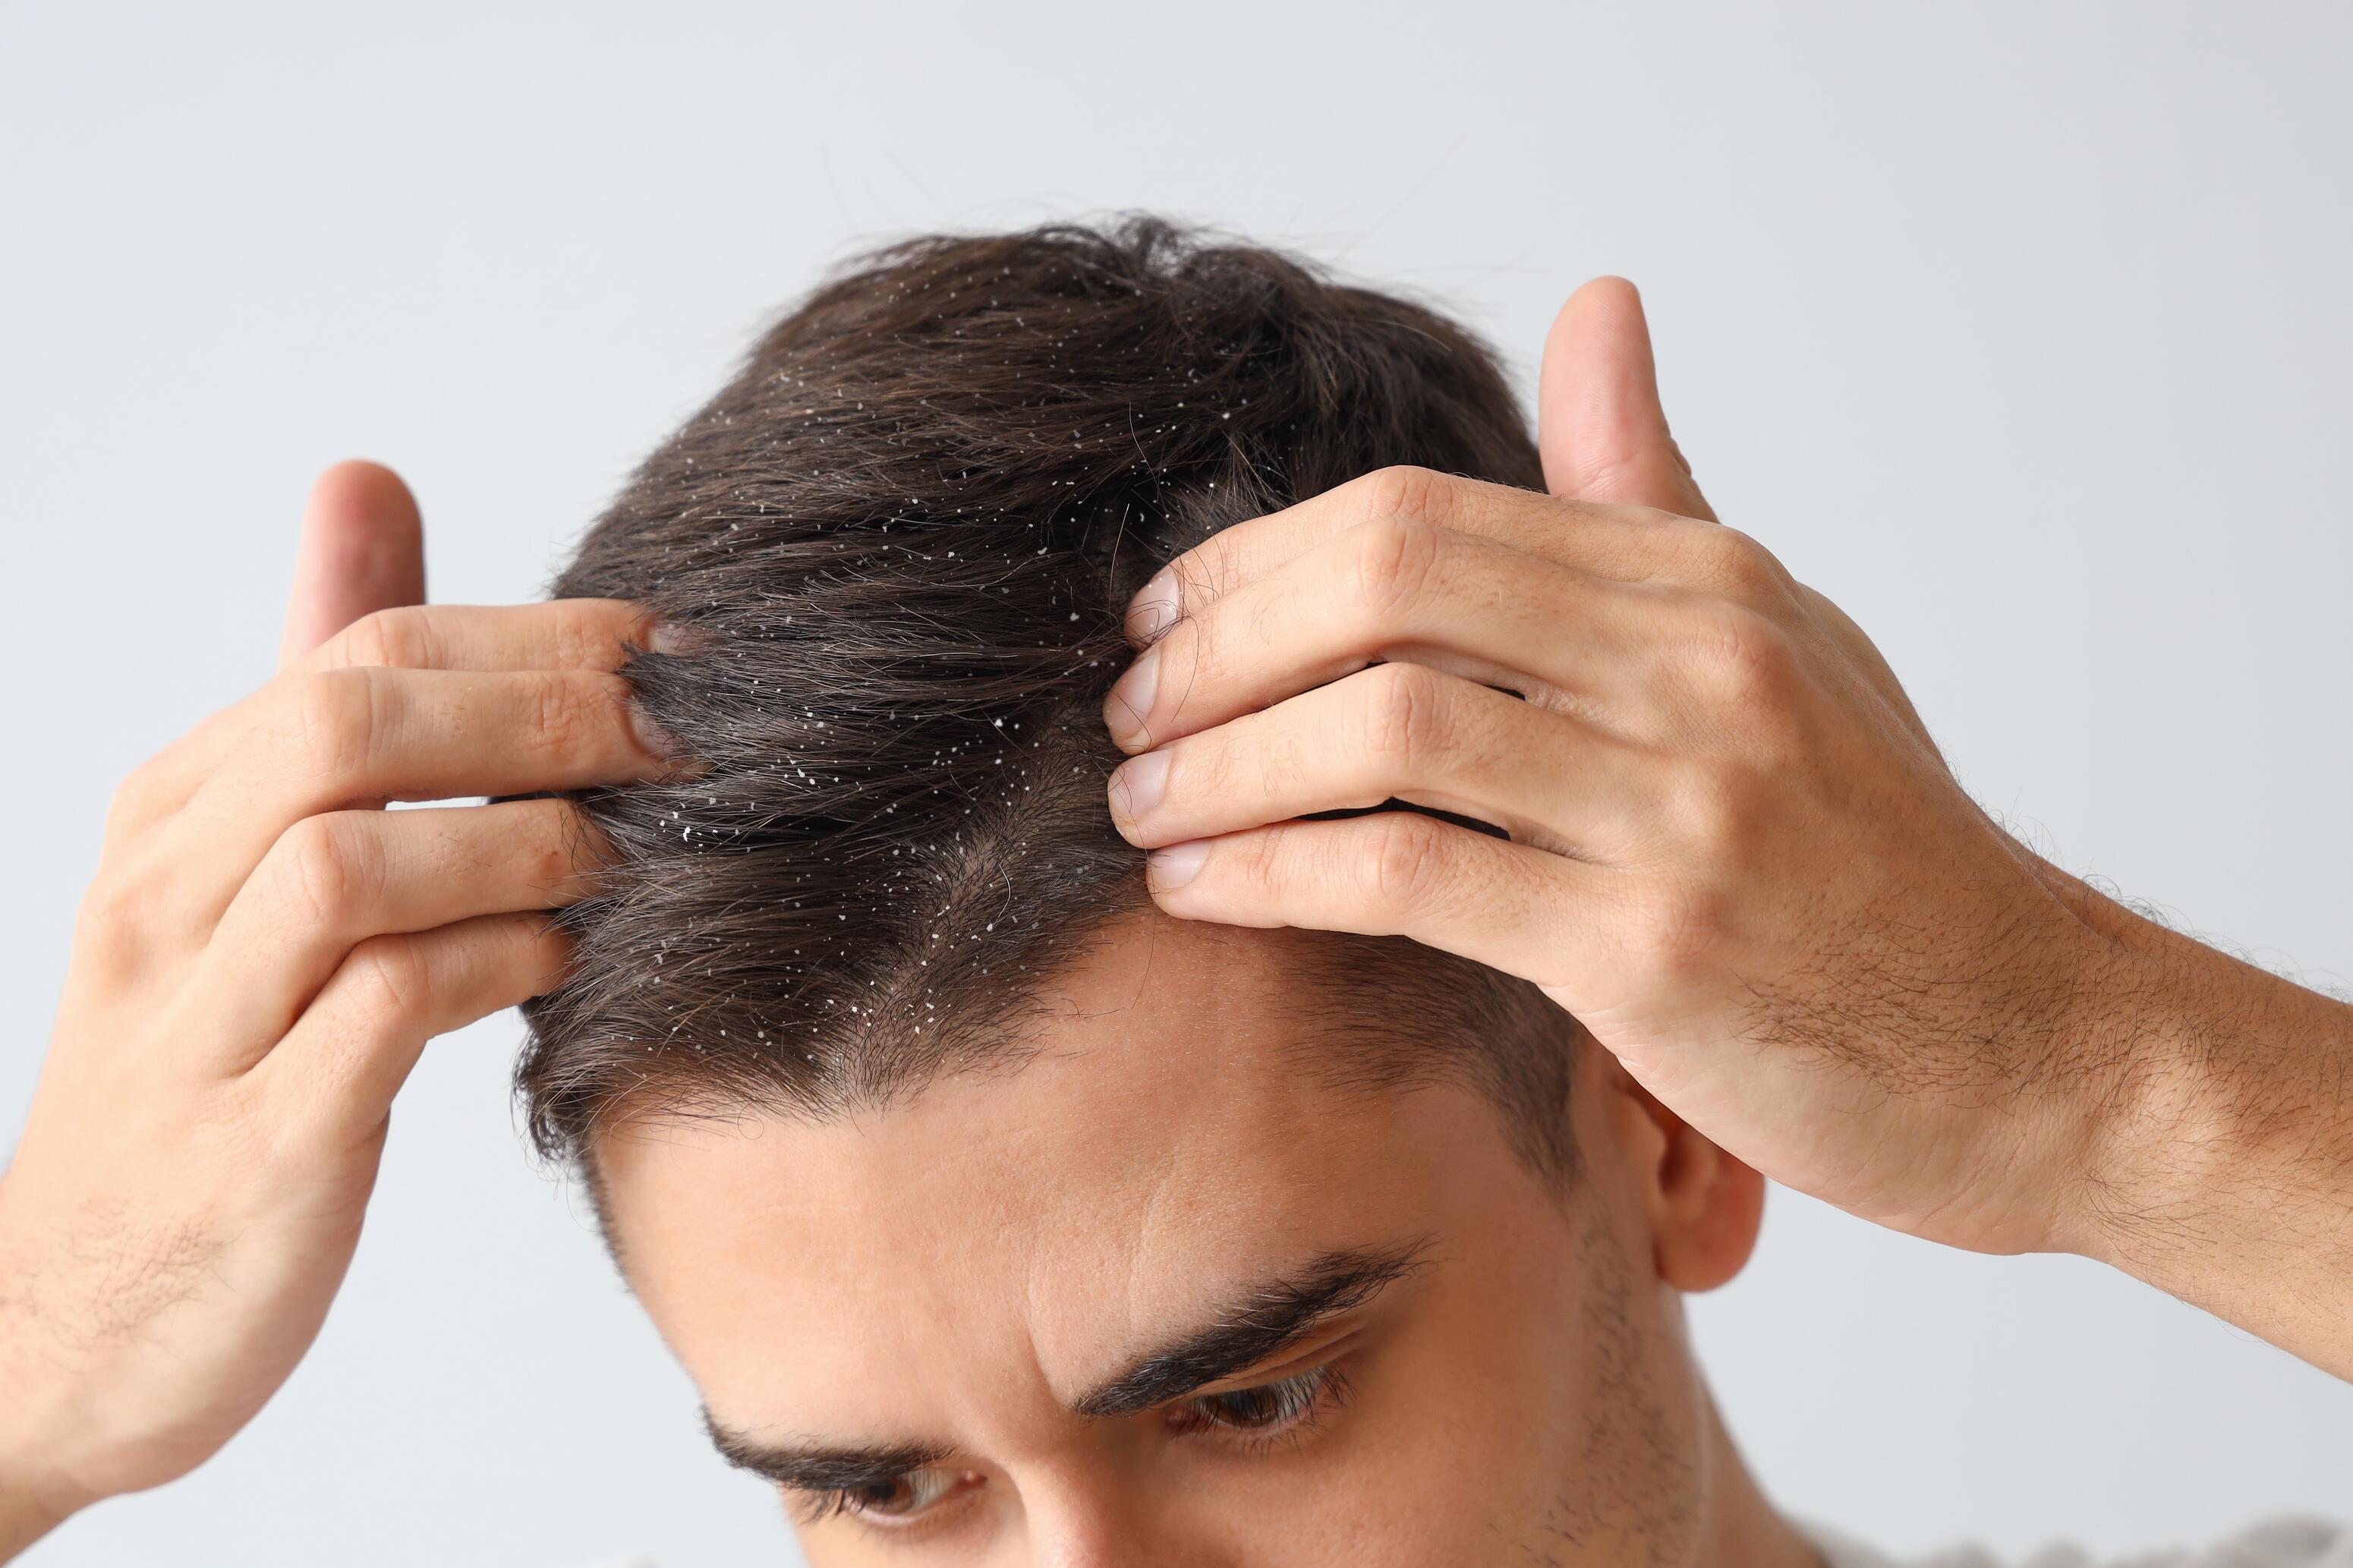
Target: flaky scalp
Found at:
898, 544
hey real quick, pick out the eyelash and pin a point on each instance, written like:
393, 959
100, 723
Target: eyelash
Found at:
1287, 1407
816, 1504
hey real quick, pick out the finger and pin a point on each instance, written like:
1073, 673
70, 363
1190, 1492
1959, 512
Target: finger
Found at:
361, 737
1395, 731
1393, 873
362, 550
1627, 544
1385, 591
562, 634
334, 880
335, 1073
1601, 427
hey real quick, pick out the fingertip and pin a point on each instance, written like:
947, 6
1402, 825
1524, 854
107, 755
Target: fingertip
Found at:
362, 492
1609, 292
656, 633
1609, 303
1153, 609
1173, 866
1127, 707
1603, 429
556, 948
362, 550
1597, 355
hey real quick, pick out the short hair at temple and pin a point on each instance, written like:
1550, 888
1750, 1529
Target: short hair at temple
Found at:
896, 547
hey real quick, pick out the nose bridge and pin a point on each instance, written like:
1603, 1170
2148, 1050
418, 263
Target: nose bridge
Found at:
1092, 1521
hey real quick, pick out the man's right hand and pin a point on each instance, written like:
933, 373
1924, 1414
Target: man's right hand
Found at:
257, 966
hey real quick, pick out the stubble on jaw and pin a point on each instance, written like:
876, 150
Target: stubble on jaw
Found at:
1638, 1493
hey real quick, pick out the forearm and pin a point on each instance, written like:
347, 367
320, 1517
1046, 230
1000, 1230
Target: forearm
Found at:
2223, 1171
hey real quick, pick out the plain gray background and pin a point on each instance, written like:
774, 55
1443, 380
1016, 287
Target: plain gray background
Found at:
2021, 329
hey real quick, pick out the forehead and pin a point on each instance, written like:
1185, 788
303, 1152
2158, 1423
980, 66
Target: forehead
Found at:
1028, 1227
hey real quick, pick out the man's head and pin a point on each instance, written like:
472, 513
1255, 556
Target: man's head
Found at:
978, 1196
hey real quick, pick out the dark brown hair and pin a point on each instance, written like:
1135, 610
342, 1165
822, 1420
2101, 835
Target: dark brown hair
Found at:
897, 547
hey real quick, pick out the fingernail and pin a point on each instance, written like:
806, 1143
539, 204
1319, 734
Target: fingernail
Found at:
1139, 783
1175, 866
1130, 703
1153, 609
668, 636
654, 737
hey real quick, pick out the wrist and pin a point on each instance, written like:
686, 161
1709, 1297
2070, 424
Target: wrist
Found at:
2154, 1133
2136, 1089
2217, 1148
28, 1511
35, 1497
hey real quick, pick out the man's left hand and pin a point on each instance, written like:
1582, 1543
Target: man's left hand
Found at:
1733, 853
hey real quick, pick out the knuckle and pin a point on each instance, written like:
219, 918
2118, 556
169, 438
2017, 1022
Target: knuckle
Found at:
1210, 766
402, 639
1395, 558
1742, 658
112, 914
136, 798
1253, 758
1408, 491
1404, 717
334, 865
334, 719
582, 636
580, 633
389, 977
1259, 861
1401, 861
556, 720
1738, 564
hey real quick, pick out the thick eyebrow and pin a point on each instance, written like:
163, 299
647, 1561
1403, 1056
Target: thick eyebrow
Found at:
1260, 1322
817, 1467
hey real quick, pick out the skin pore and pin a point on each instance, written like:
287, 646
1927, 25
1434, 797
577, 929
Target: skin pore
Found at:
1160, 1295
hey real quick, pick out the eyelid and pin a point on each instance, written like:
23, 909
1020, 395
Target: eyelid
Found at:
1319, 1352
814, 1505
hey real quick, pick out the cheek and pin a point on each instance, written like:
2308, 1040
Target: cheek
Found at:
1533, 1400
1567, 1418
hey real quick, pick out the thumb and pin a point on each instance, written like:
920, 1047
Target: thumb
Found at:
363, 549
1603, 434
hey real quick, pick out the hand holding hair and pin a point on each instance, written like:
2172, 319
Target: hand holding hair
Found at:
1733, 852
258, 965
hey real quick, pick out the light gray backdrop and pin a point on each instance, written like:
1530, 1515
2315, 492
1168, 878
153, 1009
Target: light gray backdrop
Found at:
2021, 329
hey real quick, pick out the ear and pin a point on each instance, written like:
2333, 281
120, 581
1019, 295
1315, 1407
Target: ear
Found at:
1599, 423
1703, 1205
363, 549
